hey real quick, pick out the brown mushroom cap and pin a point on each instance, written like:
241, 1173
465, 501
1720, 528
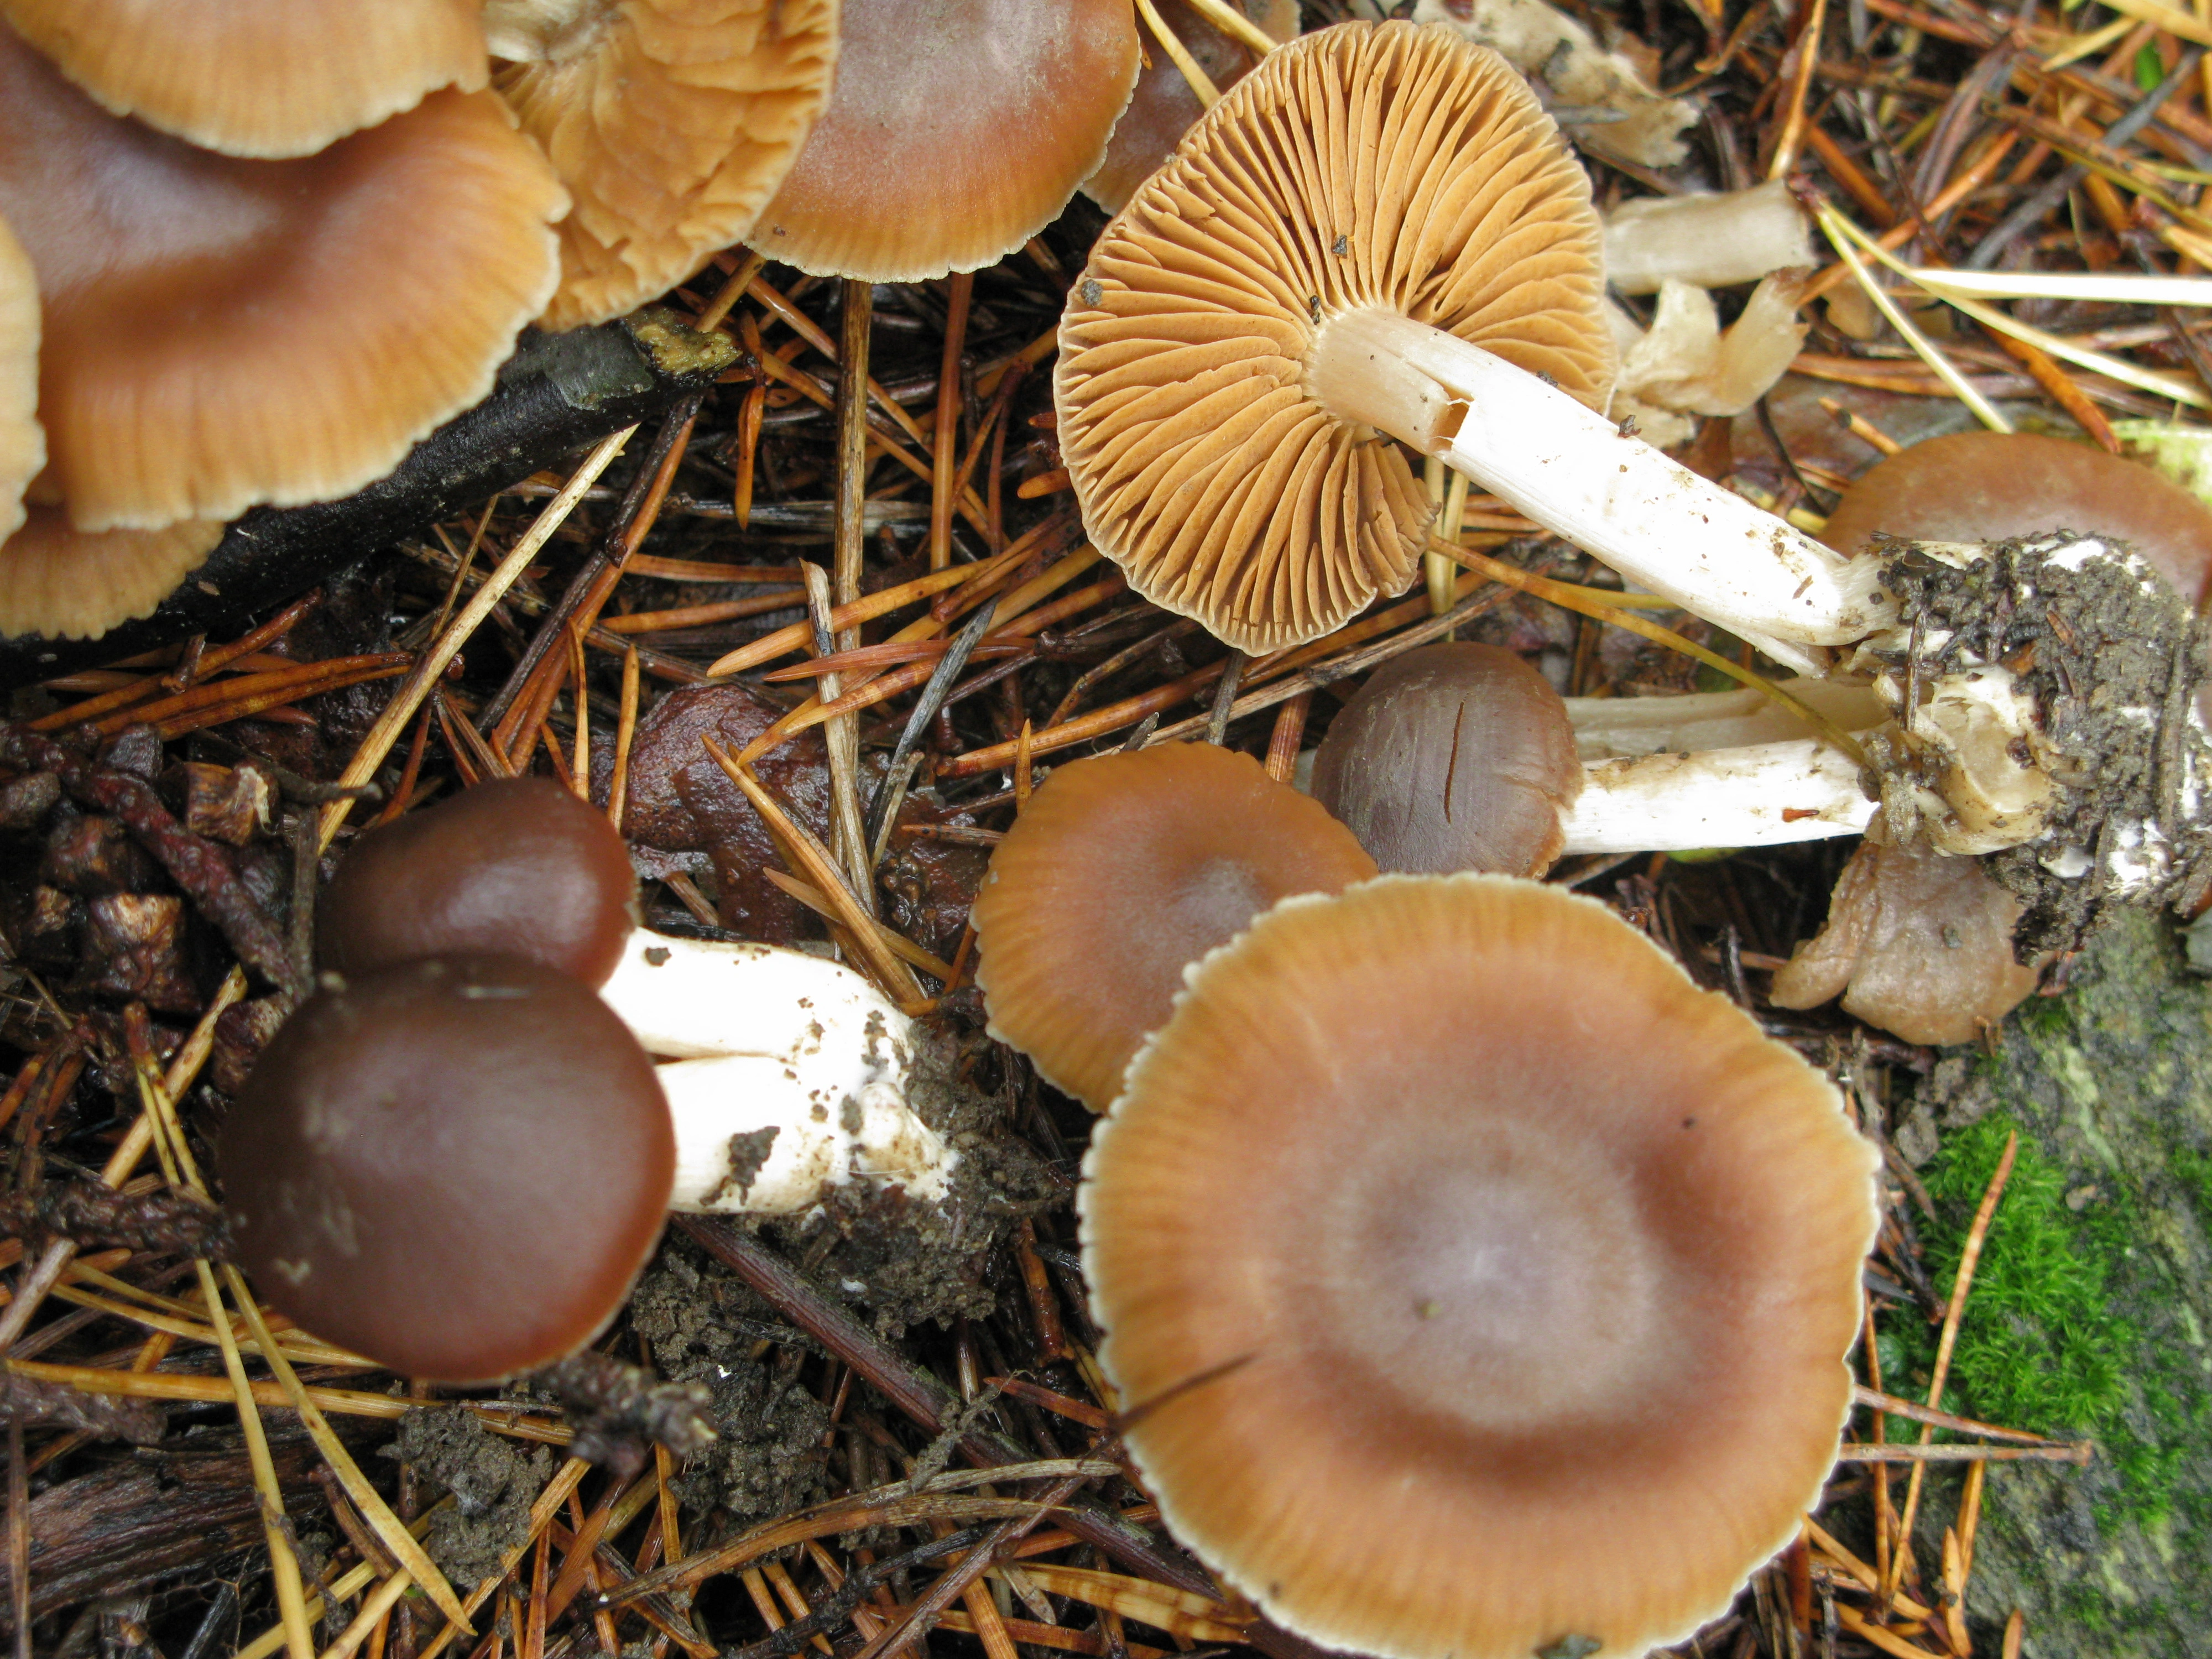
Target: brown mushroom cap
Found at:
1917, 942
454, 1166
1362, 166
1420, 1233
1454, 757
77, 584
222, 332
22, 440
1165, 105
513, 864
1993, 486
1122, 871
955, 133
258, 78
671, 122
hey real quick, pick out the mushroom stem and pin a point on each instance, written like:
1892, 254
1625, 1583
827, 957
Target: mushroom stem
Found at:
1571, 470
788, 1074
1761, 795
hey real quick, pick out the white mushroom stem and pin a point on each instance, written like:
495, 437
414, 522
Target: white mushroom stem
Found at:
790, 1074
1610, 727
1761, 795
1571, 470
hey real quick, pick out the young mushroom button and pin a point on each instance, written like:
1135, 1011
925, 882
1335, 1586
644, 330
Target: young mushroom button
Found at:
1418, 1234
791, 1071
1120, 872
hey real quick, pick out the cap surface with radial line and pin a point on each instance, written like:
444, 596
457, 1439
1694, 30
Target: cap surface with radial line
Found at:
671, 122
1419, 1232
1364, 166
222, 332
258, 78
957, 130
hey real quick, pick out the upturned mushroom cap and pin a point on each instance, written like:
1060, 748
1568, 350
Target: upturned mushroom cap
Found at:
1454, 757
671, 122
69, 583
1420, 1233
22, 440
1122, 871
258, 78
956, 132
1995, 486
514, 864
454, 1166
1358, 167
222, 332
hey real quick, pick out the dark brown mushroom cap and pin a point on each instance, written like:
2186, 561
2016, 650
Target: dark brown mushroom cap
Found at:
955, 132
1364, 166
1454, 757
515, 865
258, 77
220, 333
671, 122
77, 584
1122, 871
1993, 486
1420, 1232
455, 1166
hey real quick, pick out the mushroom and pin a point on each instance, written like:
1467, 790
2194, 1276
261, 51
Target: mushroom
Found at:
1418, 1233
1237, 323
263, 80
792, 1071
455, 1166
72, 584
950, 143
22, 441
211, 340
1165, 104
1120, 871
671, 122
1454, 757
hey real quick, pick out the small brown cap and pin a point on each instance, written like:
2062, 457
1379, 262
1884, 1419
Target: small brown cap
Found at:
222, 332
1362, 166
1995, 486
455, 1166
671, 122
22, 440
77, 584
1421, 1232
258, 77
1453, 757
1120, 872
517, 865
954, 135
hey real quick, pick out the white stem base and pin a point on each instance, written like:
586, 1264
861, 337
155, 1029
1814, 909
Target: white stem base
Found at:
687, 998
1569, 469
1764, 795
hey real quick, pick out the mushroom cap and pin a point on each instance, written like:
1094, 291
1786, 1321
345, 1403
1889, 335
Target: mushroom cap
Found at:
514, 864
671, 122
22, 440
1994, 486
1360, 167
1453, 757
454, 1166
77, 584
258, 78
1122, 871
1420, 1233
222, 332
1164, 106
956, 131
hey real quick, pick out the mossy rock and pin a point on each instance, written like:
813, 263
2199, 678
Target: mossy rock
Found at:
2091, 1308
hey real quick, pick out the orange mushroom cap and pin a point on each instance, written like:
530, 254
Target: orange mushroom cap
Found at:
1122, 871
222, 332
1364, 166
258, 77
671, 122
22, 440
1419, 1232
77, 584
956, 132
